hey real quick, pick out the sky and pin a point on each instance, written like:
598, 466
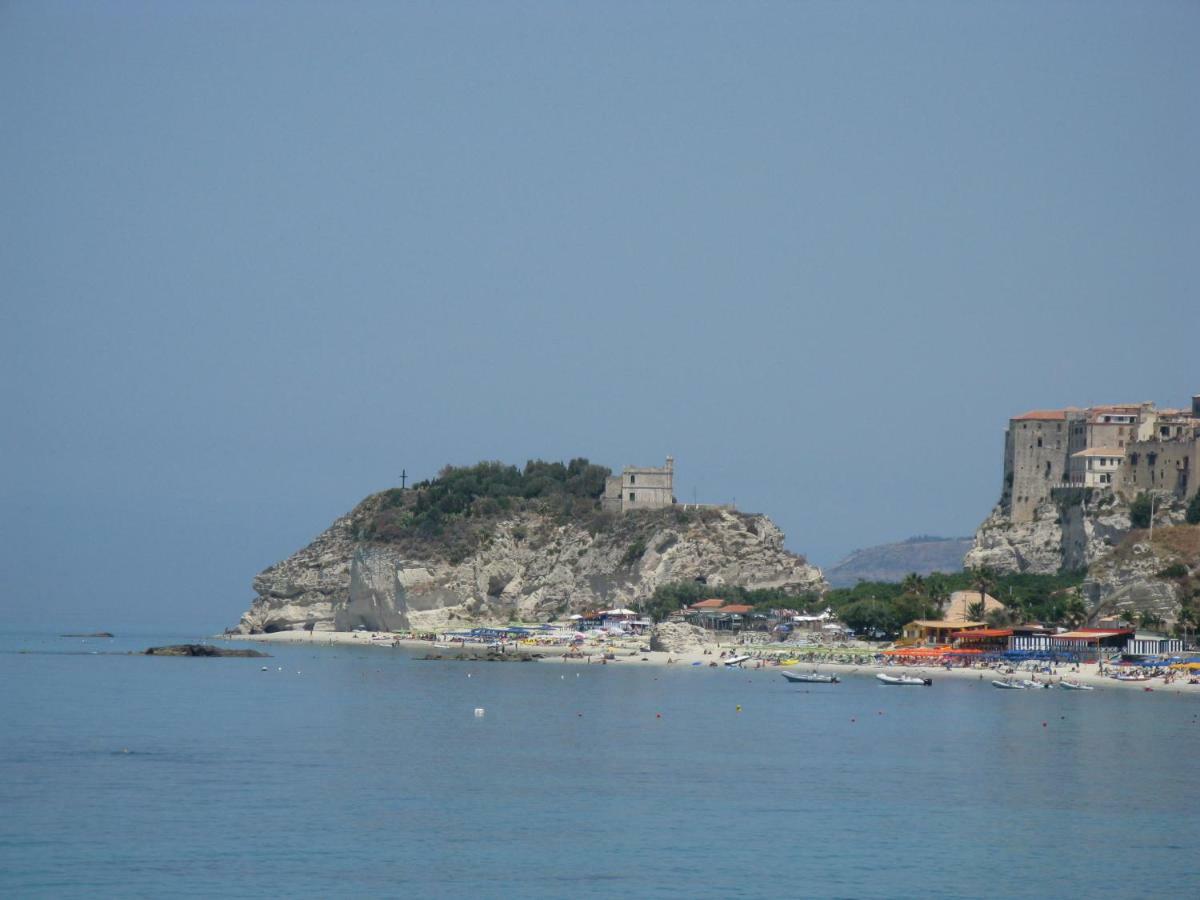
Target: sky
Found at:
256, 259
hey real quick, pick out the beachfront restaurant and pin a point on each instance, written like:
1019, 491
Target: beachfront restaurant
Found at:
985, 640
716, 616
936, 631
1088, 643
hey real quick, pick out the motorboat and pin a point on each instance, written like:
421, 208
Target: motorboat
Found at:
737, 660
1076, 686
1009, 685
810, 677
1035, 685
903, 679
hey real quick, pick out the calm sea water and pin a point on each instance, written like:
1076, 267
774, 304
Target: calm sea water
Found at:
365, 772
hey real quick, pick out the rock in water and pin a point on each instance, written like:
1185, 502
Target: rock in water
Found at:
202, 650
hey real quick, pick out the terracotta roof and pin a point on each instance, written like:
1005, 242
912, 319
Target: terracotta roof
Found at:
982, 633
1042, 415
961, 601
945, 623
736, 609
707, 604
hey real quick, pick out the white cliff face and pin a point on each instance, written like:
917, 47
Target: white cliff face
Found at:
1006, 546
1062, 535
532, 568
1126, 583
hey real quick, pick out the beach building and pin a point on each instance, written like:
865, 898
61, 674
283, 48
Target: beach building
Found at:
961, 601
985, 640
1152, 645
936, 631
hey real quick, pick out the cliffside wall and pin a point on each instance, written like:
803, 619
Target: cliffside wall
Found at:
530, 567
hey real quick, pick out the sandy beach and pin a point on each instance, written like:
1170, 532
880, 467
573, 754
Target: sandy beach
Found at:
627, 653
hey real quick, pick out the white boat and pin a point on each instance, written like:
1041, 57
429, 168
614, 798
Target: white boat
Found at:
737, 660
810, 677
1009, 685
1035, 685
1075, 686
903, 679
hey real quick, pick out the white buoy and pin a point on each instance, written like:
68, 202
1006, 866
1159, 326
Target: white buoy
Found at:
479, 712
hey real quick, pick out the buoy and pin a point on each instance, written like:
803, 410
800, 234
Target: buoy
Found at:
739, 709
479, 712
658, 715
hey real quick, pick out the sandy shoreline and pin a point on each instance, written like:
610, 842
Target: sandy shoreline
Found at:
629, 655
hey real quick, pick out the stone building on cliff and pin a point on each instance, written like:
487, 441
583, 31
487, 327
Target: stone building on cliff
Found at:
1126, 448
640, 487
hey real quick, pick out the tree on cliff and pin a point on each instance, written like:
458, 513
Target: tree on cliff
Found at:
1140, 511
1192, 517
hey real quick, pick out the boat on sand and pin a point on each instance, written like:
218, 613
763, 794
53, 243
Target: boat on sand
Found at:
737, 660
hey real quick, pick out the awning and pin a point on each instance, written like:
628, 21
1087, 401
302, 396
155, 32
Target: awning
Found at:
1086, 635
982, 633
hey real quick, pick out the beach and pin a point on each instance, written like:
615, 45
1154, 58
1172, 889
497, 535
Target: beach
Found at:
627, 654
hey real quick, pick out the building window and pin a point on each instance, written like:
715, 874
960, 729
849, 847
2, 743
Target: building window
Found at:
632, 496
632, 480
1039, 442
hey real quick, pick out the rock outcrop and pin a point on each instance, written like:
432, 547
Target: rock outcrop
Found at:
1141, 577
530, 567
1065, 534
1007, 546
203, 650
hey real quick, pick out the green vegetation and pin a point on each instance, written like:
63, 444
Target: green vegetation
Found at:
1192, 516
883, 608
1139, 511
669, 598
635, 551
455, 512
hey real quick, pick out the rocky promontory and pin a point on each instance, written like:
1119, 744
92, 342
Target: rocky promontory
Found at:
396, 562
202, 650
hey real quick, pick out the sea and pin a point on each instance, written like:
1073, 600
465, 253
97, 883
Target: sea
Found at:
365, 772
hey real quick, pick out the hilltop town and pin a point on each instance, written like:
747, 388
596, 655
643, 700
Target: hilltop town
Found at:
1072, 477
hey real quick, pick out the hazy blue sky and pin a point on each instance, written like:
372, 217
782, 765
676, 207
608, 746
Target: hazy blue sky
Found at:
257, 257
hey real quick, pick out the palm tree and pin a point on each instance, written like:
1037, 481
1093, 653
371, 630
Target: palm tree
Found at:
983, 579
937, 591
1075, 611
913, 584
